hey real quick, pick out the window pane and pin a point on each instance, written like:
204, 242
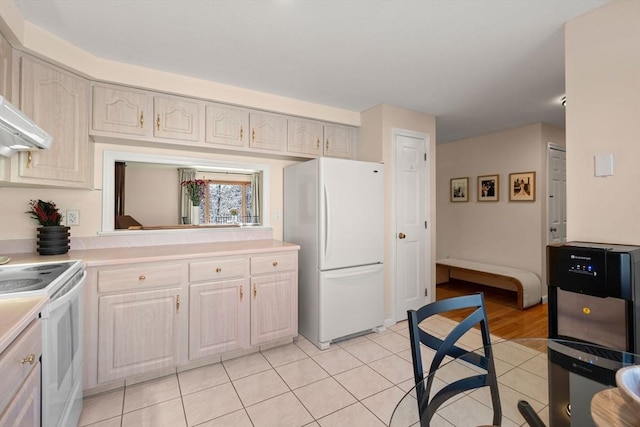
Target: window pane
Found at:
225, 203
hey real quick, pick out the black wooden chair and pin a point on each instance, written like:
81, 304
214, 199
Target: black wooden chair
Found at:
447, 347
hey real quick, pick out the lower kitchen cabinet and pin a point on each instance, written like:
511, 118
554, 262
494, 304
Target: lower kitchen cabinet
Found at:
274, 302
138, 332
24, 410
218, 317
158, 316
20, 379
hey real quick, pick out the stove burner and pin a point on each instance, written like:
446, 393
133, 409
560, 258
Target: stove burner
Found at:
21, 284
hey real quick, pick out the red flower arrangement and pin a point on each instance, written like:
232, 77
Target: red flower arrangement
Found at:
46, 213
195, 190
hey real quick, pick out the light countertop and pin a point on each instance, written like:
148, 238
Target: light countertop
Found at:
127, 255
15, 315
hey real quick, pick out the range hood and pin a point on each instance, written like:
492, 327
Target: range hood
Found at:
18, 132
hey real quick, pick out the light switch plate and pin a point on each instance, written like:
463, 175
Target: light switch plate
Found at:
604, 164
73, 217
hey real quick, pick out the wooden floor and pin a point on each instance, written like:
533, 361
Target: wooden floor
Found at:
505, 320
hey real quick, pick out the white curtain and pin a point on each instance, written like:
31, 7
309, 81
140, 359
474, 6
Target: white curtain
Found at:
185, 202
256, 194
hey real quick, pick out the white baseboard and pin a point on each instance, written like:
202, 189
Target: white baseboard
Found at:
388, 323
545, 299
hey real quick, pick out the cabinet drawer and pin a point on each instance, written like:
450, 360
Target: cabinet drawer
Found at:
16, 362
217, 269
273, 263
141, 277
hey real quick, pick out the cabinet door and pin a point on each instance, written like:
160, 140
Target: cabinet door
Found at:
121, 111
274, 307
218, 317
176, 118
24, 409
339, 141
138, 332
226, 125
304, 137
268, 132
6, 65
57, 101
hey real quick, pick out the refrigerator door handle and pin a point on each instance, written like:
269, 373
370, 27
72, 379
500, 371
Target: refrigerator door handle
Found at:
326, 222
340, 275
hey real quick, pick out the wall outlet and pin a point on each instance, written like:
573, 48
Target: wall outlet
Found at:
73, 217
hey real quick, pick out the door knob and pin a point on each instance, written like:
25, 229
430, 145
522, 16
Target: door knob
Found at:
401, 235
553, 229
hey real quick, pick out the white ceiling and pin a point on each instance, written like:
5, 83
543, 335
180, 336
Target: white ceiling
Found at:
478, 66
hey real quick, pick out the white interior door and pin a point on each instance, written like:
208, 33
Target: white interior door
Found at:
411, 221
557, 200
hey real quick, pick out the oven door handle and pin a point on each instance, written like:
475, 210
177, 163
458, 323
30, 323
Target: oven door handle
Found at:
73, 293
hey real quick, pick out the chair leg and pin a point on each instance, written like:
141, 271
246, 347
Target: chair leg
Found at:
497, 408
530, 416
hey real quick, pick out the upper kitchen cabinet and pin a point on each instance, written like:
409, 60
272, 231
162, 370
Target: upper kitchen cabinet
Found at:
268, 131
122, 112
119, 110
226, 126
317, 139
5, 68
305, 137
339, 141
57, 101
177, 118
232, 127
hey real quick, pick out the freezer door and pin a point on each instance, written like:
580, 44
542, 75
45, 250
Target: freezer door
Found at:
351, 301
351, 213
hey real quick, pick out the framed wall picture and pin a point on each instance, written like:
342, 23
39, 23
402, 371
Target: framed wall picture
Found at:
460, 189
489, 188
522, 187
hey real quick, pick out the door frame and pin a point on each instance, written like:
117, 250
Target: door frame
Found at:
547, 225
395, 132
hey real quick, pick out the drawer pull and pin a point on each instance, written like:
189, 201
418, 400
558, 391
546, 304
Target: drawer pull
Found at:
141, 278
255, 290
29, 359
141, 119
241, 293
218, 269
275, 263
177, 303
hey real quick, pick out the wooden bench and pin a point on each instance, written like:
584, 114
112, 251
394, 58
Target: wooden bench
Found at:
525, 283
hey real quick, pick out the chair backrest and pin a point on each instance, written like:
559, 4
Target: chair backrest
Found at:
447, 347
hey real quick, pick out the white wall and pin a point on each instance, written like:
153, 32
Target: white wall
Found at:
152, 195
603, 116
16, 225
503, 232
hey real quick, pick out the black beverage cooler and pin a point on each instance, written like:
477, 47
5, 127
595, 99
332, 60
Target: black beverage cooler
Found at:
593, 299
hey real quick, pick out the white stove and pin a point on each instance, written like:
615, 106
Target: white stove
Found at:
23, 280
63, 282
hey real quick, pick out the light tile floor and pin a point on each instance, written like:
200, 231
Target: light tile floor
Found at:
356, 382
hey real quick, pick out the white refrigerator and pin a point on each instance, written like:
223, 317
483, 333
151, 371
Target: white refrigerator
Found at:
334, 209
